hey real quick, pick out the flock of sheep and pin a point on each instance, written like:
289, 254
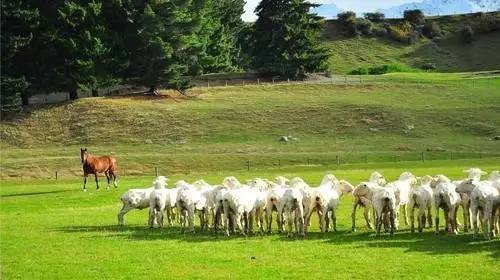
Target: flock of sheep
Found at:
234, 206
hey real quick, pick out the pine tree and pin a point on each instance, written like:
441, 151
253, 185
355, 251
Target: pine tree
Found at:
286, 39
167, 50
18, 23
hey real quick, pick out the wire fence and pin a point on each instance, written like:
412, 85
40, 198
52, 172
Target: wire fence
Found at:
255, 163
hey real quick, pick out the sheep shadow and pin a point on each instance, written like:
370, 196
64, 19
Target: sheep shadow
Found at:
426, 242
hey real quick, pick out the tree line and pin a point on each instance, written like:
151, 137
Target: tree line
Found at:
84, 45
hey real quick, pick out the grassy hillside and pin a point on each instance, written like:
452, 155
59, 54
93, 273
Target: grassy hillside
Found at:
394, 117
448, 54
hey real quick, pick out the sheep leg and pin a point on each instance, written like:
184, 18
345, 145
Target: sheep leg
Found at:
455, 221
474, 220
466, 217
487, 221
269, 219
299, 213
334, 220
392, 221
378, 223
412, 220
405, 216
327, 222
353, 214
249, 221
437, 220
322, 222
159, 218
289, 219
429, 216
366, 214
125, 209
447, 220
190, 213
152, 214
280, 220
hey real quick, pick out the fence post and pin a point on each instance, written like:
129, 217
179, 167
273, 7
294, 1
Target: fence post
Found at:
308, 161
273, 81
480, 155
422, 156
366, 159
248, 165
451, 155
226, 83
208, 84
243, 82
56, 175
156, 171
258, 81
279, 162
288, 80
337, 158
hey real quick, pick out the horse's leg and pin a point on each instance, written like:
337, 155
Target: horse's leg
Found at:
107, 178
115, 182
85, 182
96, 181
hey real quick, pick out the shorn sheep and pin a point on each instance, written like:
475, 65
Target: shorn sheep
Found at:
362, 198
402, 188
485, 200
474, 174
385, 205
421, 199
187, 199
134, 199
275, 203
158, 201
293, 211
446, 198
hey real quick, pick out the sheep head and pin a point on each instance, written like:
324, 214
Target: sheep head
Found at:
377, 178
231, 182
466, 186
329, 178
475, 172
281, 180
345, 187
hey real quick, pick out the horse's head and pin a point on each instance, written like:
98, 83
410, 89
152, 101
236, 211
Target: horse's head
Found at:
83, 154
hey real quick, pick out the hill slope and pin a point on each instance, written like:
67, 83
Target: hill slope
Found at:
449, 54
222, 127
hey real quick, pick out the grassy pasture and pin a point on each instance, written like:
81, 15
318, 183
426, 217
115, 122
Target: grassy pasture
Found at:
52, 230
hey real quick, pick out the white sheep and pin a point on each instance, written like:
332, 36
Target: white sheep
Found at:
362, 198
475, 174
293, 211
206, 204
158, 201
189, 199
421, 198
275, 203
259, 187
134, 199
385, 205
485, 200
402, 189
238, 206
446, 197
326, 199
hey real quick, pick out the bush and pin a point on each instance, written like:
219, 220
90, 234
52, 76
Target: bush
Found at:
415, 17
429, 66
431, 30
380, 31
467, 34
383, 69
487, 24
347, 21
365, 27
375, 17
402, 32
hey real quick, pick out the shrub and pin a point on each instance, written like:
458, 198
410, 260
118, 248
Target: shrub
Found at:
429, 66
380, 31
401, 32
364, 26
375, 17
487, 24
382, 69
415, 17
347, 21
467, 34
431, 30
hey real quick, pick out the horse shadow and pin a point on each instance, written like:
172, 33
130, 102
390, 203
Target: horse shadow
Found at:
426, 242
33, 193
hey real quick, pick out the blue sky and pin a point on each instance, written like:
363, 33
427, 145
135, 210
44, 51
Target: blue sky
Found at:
358, 6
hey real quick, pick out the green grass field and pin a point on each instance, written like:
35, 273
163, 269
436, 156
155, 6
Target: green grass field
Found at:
52, 230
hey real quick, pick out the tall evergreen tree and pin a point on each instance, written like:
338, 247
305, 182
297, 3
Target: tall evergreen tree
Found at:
286, 39
167, 50
18, 23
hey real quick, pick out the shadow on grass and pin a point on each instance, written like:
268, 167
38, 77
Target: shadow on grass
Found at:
426, 242
33, 193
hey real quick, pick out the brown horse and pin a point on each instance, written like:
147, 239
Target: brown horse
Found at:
93, 165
